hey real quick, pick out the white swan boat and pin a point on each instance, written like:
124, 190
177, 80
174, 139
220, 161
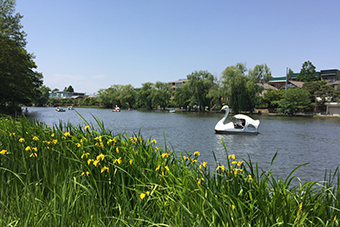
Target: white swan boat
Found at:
116, 109
245, 124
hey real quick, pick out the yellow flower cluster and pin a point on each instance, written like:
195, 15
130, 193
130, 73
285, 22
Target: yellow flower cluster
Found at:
100, 143
82, 140
134, 140
204, 164
119, 161
199, 180
87, 173
3, 152
236, 164
191, 160
85, 155
165, 155
142, 195
112, 141
104, 168
220, 167
33, 154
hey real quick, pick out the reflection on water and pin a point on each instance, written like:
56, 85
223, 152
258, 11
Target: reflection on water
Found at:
297, 140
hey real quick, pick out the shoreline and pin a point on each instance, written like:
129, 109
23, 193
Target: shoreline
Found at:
265, 112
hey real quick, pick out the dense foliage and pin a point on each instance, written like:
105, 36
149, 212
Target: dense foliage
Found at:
307, 72
294, 100
69, 175
19, 80
243, 90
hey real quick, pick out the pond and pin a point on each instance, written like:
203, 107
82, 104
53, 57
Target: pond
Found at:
297, 140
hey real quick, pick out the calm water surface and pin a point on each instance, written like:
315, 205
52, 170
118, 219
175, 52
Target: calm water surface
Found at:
297, 140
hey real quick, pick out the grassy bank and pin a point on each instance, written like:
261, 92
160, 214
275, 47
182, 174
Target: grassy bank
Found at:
68, 175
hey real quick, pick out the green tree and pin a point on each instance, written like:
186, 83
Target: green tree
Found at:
182, 96
160, 94
144, 97
53, 101
19, 81
307, 72
271, 97
44, 96
295, 99
127, 96
320, 93
69, 89
256, 77
108, 96
290, 72
235, 84
200, 82
217, 94
243, 89
86, 101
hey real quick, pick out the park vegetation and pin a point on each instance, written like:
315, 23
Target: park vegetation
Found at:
86, 175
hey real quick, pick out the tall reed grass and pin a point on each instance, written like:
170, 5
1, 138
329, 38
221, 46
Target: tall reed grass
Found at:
67, 175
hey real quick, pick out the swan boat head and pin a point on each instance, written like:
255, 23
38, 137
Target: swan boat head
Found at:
249, 125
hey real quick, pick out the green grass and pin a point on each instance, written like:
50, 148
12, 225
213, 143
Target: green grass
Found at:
70, 175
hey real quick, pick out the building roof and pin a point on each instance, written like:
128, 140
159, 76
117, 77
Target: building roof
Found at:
297, 83
282, 79
334, 83
268, 86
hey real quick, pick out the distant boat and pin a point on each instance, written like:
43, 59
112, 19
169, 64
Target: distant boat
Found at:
70, 108
172, 110
116, 109
58, 109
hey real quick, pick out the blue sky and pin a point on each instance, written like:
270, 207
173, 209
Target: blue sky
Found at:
95, 44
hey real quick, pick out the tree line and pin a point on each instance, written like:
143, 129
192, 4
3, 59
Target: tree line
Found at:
238, 87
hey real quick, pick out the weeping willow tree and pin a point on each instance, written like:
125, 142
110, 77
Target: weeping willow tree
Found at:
199, 84
243, 89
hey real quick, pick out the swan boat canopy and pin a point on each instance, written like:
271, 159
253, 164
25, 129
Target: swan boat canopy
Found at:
245, 124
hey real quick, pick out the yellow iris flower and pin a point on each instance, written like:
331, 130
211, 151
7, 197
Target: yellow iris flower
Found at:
101, 156
221, 167
104, 168
232, 156
3, 152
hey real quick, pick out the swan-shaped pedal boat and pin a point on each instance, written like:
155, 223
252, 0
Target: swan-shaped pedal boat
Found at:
245, 125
